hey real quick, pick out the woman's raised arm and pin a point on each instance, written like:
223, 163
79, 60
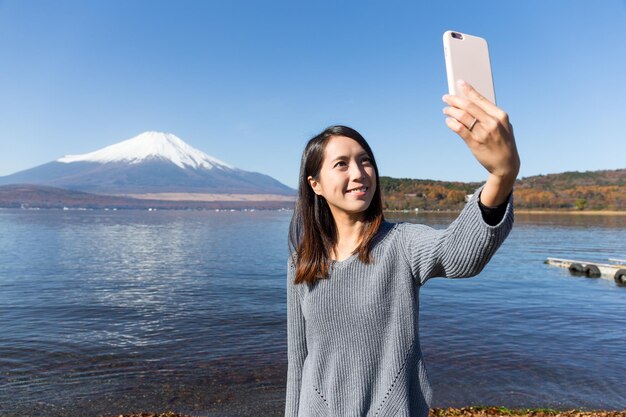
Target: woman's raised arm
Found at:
488, 134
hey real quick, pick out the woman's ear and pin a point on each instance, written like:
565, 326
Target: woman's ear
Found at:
315, 185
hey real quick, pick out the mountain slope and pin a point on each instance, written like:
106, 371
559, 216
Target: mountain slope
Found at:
151, 162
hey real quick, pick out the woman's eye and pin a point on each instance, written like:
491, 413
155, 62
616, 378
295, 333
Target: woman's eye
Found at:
340, 163
367, 161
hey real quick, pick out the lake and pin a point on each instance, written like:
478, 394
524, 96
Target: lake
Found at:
105, 312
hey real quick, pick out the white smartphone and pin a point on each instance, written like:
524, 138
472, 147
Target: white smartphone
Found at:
467, 58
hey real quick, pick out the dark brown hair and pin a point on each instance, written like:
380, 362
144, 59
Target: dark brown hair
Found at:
312, 232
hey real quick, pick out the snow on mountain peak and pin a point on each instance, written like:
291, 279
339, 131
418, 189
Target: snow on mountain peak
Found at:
151, 145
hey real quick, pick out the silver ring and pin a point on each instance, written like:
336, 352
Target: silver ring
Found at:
472, 125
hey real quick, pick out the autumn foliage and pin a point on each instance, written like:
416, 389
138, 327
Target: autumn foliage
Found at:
568, 191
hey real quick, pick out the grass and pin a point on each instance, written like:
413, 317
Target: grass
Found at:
492, 411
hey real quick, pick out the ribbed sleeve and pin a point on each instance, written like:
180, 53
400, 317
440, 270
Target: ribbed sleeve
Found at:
461, 250
296, 344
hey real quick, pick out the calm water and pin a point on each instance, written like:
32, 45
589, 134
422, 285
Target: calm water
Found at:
109, 312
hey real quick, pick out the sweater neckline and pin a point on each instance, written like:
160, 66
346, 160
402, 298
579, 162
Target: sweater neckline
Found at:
344, 261
384, 231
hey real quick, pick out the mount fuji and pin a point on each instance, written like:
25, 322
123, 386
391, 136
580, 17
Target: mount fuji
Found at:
152, 162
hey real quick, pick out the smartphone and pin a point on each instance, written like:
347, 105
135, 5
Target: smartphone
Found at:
467, 58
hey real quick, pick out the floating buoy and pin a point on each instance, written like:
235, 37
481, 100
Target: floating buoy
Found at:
620, 277
592, 271
576, 269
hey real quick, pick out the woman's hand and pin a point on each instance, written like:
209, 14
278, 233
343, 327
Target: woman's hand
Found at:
486, 130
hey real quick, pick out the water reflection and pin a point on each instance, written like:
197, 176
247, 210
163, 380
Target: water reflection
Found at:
116, 305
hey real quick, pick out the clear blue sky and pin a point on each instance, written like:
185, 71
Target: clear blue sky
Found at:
249, 82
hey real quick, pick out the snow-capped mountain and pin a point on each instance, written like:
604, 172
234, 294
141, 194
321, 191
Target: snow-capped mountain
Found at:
152, 162
151, 145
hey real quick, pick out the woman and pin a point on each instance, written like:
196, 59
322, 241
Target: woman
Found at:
354, 279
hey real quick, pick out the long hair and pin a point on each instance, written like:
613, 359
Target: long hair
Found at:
312, 232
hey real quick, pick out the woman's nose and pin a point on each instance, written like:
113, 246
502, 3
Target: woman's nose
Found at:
358, 172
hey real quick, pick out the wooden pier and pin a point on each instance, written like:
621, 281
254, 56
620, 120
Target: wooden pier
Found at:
616, 269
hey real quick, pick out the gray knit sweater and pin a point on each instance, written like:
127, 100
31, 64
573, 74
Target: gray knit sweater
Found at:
353, 339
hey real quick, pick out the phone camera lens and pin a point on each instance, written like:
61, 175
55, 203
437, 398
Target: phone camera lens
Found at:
457, 36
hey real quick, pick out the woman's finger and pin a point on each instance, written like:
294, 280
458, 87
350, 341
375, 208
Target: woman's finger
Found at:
459, 128
469, 121
468, 106
480, 101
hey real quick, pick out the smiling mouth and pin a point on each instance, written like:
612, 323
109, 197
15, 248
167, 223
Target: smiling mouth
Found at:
358, 190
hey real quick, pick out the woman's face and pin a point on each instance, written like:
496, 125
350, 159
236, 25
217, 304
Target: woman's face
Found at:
347, 179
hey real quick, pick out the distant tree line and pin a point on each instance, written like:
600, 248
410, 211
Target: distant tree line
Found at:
592, 190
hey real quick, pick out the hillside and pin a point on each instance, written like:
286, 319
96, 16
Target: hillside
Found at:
568, 191
591, 190
37, 196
